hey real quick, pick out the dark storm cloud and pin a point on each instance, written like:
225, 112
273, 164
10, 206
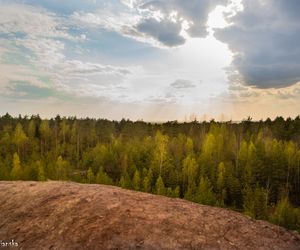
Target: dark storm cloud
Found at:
265, 41
194, 11
165, 31
168, 29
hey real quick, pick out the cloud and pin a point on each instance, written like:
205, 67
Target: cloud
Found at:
65, 7
33, 57
25, 90
165, 31
195, 12
160, 23
121, 22
159, 33
18, 19
182, 84
264, 38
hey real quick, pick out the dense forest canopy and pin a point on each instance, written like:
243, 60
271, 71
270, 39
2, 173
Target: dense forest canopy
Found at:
249, 166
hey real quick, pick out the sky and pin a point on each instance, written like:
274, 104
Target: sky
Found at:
151, 60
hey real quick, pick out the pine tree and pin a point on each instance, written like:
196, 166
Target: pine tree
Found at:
31, 131
284, 214
242, 159
125, 181
41, 171
160, 186
290, 152
45, 133
221, 184
136, 181
190, 172
61, 169
147, 182
248, 201
16, 172
205, 194
19, 137
146, 185
255, 203
103, 178
189, 146
176, 192
161, 142
4, 171
90, 175
208, 157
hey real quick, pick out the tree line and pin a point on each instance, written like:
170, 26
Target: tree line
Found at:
253, 167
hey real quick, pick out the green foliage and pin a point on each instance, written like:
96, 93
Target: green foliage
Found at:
125, 181
205, 194
255, 202
136, 181
172, 192
41, 171
62, 168
244, 166
103, 178
190, 175
160, 153
160, 186
19, 137
16, 172
4, 171
146, 185
90, 175
176, 192
221, 191
285, 215
208, 156
31, 129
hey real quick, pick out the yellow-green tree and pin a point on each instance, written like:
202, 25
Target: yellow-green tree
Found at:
45, 133
62, 168
189, 174
90, 175
161, 143
41, 171
285, 215
20, 137
205, 193
208, 157
125, 181
160, 186
147, 182
16, 172
255, 202
103, 178
136, 181
221, 184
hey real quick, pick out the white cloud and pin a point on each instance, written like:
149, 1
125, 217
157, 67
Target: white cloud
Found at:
182, 84
42, 41
31, 21
123, 23
160, 23
264, 38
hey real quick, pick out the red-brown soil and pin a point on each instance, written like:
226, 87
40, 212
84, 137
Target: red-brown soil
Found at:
62, 215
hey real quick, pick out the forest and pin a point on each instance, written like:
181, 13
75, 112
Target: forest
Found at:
252, 166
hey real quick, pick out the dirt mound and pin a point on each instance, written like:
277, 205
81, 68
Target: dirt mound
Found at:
61, 215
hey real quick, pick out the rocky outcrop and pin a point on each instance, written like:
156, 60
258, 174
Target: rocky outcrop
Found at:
62, 215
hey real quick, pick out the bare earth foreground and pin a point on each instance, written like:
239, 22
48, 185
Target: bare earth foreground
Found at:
62, 215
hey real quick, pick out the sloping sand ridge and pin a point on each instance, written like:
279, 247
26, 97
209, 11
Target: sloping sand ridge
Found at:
62, 215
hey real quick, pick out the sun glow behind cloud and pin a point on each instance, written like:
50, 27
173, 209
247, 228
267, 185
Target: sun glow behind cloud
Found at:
151, 60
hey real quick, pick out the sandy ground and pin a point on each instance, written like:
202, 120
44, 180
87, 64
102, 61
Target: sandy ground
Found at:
63, 215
